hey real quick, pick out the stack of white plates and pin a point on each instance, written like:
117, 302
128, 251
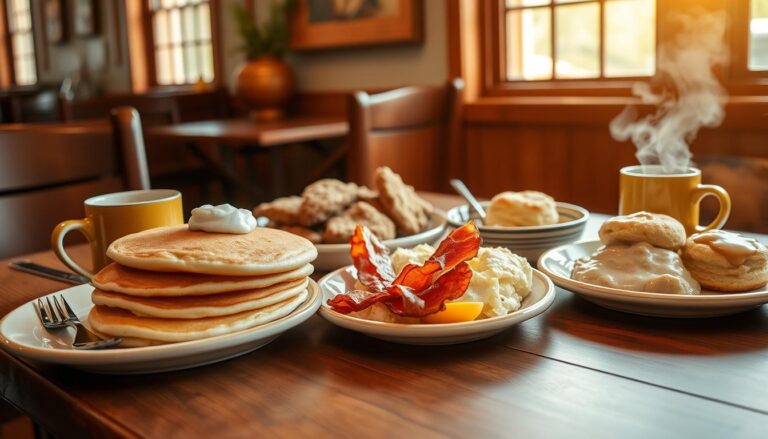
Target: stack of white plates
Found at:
531, 241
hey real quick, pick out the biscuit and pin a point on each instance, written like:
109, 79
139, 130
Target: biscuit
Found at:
304, 232
658, 230
283, 210
725, 261
520, 209
340, 228
400, 202
324, 199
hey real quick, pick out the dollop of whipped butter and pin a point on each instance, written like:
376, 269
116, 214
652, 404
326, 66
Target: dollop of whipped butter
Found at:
223, 218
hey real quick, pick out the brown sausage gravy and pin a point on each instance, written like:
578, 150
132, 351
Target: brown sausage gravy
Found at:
636, 267
734, 248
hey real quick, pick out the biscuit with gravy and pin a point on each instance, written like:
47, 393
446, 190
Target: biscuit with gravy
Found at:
659, 230
725, 261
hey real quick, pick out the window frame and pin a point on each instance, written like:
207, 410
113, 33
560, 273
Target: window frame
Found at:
737, 78
8, 42
149, 47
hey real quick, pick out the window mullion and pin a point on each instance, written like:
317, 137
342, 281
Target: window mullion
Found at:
552, 36
602, 38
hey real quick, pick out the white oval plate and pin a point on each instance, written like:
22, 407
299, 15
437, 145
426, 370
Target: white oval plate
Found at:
343, 279
558, 264
22, 334
332, 256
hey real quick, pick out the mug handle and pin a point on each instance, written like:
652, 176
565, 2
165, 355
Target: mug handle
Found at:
84, 226
704, 190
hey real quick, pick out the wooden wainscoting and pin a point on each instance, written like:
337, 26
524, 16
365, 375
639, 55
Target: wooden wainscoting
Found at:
567, 152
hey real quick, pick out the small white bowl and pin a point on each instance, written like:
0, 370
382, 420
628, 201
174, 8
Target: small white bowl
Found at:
333, 256
530, 241
342, 280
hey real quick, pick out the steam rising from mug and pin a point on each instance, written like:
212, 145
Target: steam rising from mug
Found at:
696, 100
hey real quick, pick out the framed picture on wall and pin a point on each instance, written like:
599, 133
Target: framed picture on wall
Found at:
85, 17
54, 21
326, 24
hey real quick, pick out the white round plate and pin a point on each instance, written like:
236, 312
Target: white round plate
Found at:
22, 334
332, 256
343, 280
558, 264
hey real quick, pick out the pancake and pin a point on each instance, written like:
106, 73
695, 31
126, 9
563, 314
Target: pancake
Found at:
176, 248
121, 279
195, 307
121, 323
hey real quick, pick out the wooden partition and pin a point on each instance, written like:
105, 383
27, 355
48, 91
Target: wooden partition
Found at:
566, 150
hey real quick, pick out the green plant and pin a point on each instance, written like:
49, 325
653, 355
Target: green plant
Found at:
271, 38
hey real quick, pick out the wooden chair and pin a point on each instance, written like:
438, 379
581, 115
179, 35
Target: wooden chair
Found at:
746, 180
153, 110
416, 131
46, 171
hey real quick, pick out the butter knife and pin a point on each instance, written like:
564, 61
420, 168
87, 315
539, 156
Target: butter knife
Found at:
48, 272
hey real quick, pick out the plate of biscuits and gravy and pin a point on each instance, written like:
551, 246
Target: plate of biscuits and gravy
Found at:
645, 264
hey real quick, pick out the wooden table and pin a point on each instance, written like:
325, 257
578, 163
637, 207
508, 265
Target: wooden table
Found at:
576, 371
246, 137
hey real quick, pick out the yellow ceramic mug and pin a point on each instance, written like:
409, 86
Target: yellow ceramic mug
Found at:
112, 216
647, 187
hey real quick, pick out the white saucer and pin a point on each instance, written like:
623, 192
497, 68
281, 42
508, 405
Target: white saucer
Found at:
558, 263
22, 335
343, 279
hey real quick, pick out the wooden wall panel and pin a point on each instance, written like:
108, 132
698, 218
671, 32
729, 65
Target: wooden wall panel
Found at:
580, 164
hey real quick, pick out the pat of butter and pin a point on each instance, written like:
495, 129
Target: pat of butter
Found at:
223, 218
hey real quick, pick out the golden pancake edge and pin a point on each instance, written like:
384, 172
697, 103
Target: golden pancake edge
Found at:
176, 248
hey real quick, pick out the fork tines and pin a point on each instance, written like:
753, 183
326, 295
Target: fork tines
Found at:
43, 311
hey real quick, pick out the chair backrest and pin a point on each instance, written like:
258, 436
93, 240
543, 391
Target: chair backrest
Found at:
154, 110
416, 131
746, 180
47, 171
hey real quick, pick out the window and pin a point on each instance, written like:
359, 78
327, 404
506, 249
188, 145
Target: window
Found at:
182, 41
22, 46
758, 35
578, 39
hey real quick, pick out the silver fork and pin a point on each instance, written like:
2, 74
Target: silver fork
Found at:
56, 316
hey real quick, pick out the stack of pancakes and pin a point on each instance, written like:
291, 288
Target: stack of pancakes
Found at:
171, 284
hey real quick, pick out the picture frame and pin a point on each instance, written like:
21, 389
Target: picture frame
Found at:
54, 21
326, 24
85, 18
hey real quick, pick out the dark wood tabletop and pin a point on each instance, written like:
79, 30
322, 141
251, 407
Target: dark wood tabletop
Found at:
246, 132
576, 371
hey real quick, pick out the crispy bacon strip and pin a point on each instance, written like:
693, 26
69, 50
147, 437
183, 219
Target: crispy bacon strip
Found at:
356, 300
418, 290
449, 286
371, 259
460, 245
